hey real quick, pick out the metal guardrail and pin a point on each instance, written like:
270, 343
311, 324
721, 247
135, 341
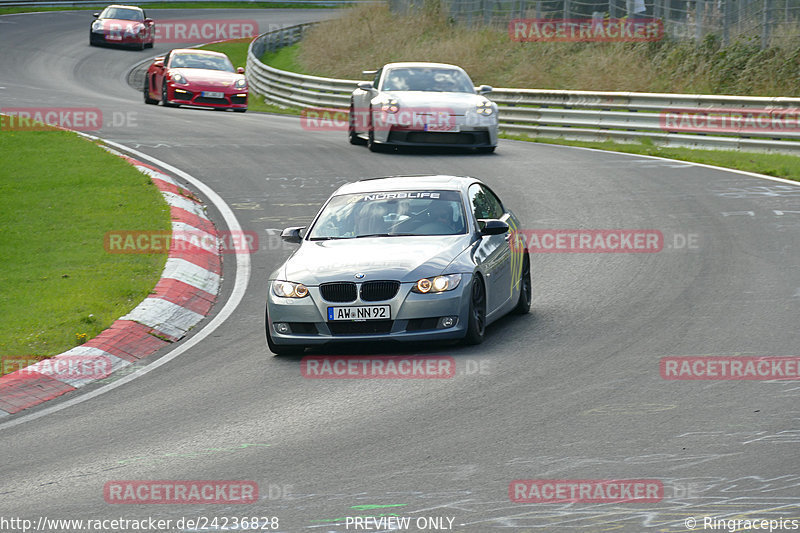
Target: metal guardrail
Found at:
89, 3
573, 115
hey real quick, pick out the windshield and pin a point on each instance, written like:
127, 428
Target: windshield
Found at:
206, 61
390, 214
122, 13
427, 79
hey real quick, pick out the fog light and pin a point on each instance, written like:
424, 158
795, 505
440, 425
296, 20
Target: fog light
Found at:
447, 321
282, 327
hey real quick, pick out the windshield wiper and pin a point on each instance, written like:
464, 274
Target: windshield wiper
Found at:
386, 235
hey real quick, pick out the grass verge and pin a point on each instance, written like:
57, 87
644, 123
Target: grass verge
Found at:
59, 195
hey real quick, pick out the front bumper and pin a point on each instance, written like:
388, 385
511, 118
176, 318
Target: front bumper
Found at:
414, 317
117, 38
472, 132
190, 95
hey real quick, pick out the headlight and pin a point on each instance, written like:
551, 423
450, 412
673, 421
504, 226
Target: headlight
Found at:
97, 25
240, 84
484, 108
437, 284
178, 78
287, 289
390, 106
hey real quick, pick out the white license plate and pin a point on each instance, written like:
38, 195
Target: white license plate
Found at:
213, 94
114, 37
441, 127
361, 312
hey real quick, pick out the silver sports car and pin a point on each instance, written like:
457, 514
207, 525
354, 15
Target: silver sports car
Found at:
412, 104
404, 258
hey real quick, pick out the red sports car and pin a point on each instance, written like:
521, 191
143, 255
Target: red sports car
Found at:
197, 78
123, 26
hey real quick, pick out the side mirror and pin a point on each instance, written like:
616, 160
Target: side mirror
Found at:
159, 62
292, 234
240, 70
483, 89
148, 21
95, 15
365, 85
369, 72
492, 226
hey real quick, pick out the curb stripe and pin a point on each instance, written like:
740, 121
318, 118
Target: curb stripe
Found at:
167, 318
127, 340
191, 219
185, 295
20, 391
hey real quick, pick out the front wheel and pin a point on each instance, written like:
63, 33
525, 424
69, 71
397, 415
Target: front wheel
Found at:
371, 144
164, 94
524, 303
147, 99
476, 325
352, 136
486, 149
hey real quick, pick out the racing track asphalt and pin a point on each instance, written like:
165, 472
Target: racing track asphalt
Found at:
571, 391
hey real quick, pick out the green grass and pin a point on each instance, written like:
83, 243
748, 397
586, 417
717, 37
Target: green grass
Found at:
284, 59
778, 165
168, 5
59, 195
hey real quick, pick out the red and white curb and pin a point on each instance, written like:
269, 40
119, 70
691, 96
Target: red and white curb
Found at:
183, 296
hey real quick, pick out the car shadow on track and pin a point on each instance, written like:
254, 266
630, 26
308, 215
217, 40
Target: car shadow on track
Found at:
432, 150
495, 334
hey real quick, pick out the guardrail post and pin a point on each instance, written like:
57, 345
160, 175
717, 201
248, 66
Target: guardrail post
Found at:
699, 11
766, 21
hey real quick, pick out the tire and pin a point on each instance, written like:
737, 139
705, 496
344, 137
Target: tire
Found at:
146, 91
476, 325
239, 110
486, 150
351, 130
523, 306
164, 95
371, 144
149, 45
279, 349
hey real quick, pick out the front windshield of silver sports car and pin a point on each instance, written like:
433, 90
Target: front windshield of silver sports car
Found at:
390, 214
200, 60
430, 79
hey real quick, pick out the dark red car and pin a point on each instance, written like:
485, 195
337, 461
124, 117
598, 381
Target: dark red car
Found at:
123, 26
197, 78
